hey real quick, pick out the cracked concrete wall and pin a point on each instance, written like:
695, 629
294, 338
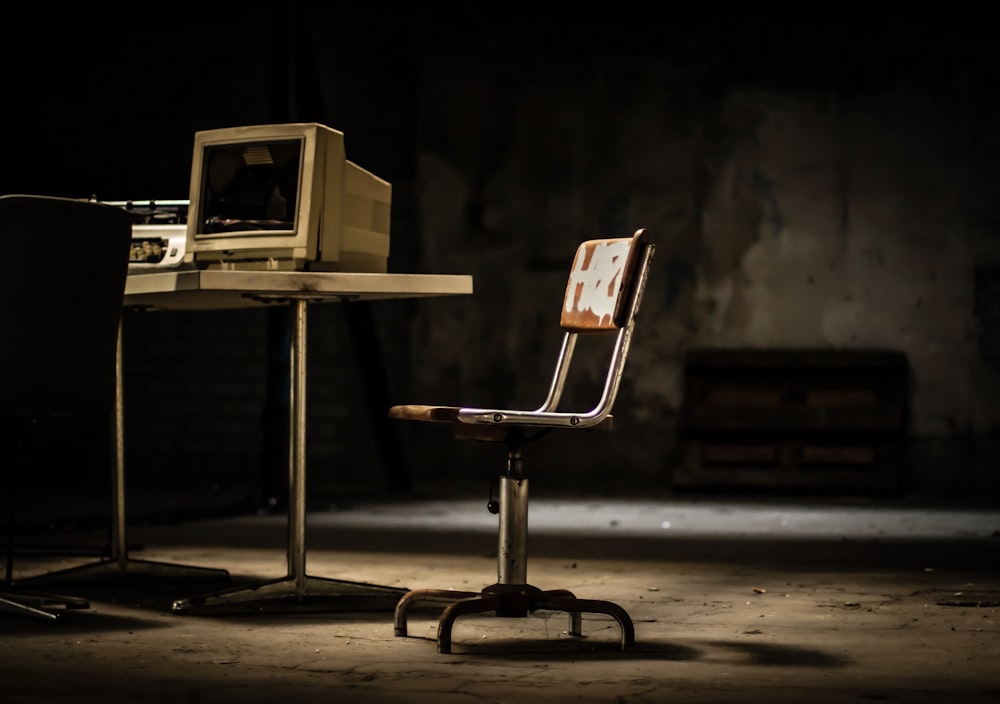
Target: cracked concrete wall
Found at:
782, 219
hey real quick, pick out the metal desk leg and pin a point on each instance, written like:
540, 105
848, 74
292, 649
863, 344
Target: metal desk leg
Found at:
297, 591
118, 565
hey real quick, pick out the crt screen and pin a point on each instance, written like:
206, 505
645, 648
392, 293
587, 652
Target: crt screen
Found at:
250, 186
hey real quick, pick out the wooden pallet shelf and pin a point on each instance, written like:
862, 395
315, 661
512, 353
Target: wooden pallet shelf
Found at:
794, 419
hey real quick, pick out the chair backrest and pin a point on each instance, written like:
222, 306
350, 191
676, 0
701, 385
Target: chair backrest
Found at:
601, 283
63, 286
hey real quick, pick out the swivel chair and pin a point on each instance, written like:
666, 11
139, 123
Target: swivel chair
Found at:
63, 286
602, 299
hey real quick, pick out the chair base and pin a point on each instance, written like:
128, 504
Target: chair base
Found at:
39, 605
510, 601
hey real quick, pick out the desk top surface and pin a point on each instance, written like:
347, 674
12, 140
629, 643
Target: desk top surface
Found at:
192, 289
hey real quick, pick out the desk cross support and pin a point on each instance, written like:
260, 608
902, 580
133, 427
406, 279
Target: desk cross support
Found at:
297, 590
118, 566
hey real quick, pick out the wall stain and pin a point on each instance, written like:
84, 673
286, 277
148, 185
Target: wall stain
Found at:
771, 213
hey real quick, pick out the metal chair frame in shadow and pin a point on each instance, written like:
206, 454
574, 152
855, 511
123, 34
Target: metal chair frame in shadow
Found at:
63, 287
602, 299
67, 270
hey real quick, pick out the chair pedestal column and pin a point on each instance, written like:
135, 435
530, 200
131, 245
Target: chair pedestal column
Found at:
512, 546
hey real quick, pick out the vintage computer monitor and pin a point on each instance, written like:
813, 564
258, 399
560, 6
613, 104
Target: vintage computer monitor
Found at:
284, 197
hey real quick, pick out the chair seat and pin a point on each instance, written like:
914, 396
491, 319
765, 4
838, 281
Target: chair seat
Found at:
485, 432
433, 414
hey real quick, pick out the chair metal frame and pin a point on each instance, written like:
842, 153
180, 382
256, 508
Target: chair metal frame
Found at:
512, 595
66, 300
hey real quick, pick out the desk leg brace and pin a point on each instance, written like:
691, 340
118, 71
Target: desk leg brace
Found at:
511, 596
297, 591
118, 566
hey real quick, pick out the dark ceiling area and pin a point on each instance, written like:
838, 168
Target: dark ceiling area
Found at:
145, 79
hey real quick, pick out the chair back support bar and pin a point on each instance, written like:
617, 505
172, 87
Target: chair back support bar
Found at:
602, 297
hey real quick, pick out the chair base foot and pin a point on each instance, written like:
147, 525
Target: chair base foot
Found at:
509, 601
38, 604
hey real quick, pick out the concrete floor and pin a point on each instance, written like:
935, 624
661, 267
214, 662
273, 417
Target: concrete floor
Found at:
732, 601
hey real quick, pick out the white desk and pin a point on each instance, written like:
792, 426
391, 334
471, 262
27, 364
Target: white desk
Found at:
214, 290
